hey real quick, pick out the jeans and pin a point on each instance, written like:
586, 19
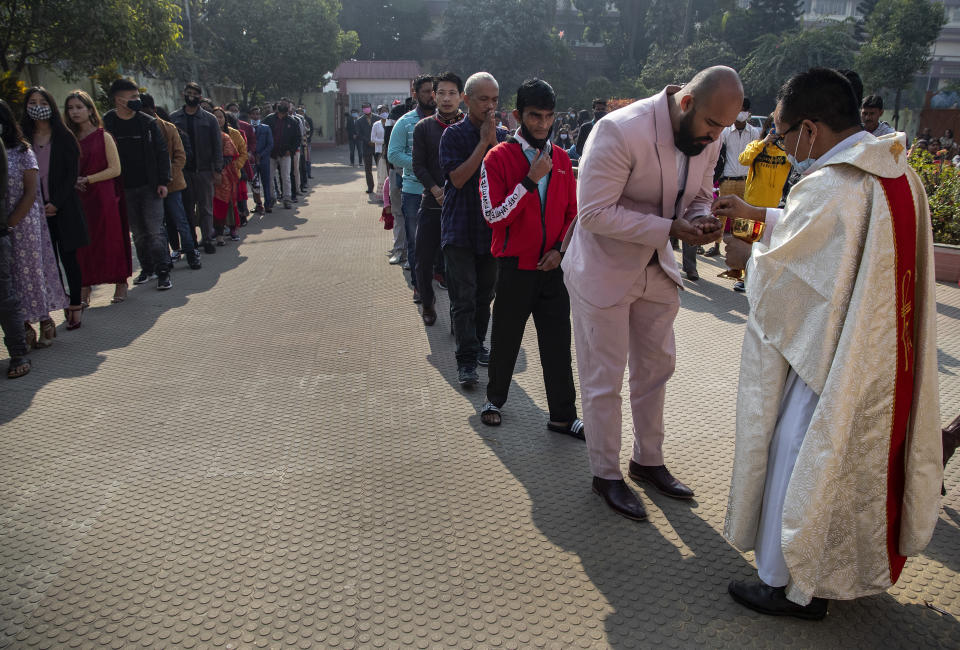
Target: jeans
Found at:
295, 174
145, 212
356, 146
396, 207
266, 183
543, 295
283, 165
198, 202
411, 207
428, 244
471, 282
177, 219
11, 316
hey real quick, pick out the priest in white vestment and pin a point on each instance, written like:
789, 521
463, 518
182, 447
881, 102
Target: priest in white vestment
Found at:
837, 468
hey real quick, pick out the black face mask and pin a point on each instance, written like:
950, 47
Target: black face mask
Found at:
535, 143
598, 114
191, 101
135, 105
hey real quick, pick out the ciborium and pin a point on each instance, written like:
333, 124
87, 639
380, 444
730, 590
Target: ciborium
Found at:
743, 229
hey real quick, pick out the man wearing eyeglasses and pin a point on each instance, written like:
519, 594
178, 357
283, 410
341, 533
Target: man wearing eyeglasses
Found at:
837, 469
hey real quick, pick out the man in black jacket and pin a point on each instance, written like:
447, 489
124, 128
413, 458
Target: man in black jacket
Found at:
145, 166
286, 140
364, 129
426, 166
599, 110
203, 169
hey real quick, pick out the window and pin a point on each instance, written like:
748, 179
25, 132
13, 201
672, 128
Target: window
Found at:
830, 7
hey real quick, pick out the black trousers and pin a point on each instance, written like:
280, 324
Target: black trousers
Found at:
542, 294
68, 259
471, 283
368, 166
428, 245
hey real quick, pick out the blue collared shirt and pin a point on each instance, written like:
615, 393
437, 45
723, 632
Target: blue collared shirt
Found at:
461, 220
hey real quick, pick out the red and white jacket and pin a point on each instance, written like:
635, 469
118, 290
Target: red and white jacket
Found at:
511, 202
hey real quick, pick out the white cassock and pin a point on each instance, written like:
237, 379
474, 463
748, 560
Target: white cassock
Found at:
837, 467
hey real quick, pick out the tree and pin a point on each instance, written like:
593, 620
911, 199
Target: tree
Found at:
665, 66
510, 39
76, 37
777, 57
901, 33
241, 42
775, 16
388, 29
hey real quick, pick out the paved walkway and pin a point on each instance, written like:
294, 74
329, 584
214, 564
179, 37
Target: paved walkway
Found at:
276, 454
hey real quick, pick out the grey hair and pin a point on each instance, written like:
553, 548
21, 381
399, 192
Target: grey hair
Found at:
478, 77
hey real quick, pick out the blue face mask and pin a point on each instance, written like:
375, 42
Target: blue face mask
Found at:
802, 166
255, 122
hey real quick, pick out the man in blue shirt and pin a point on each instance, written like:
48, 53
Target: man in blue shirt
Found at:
464, 234
400, 154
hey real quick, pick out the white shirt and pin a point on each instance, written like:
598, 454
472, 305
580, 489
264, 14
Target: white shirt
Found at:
736, 141
376, 136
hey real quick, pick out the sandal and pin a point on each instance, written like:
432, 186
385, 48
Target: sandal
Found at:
31, 336
573, 428
490, 411
48, 332
19, 366
85, 297
74, 324
119, 294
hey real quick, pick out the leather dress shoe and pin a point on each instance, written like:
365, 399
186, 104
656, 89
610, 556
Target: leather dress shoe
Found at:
429, 315
620, 498
660, 478
773, 601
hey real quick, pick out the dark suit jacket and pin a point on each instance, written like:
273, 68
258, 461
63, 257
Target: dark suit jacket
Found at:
70, 226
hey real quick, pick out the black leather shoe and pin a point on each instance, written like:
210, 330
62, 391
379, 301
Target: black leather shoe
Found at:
429, 315
660, 477
773, 601
620, 498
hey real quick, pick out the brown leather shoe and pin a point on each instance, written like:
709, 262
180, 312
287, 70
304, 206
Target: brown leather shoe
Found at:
429, 315
620, 498
773, 601
660, 478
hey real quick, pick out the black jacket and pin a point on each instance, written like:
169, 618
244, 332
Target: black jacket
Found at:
206, 140
364, 127
585, 129
69, 224
426, 157
156, 158
289, 140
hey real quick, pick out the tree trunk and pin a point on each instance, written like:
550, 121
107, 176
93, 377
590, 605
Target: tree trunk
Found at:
896, 110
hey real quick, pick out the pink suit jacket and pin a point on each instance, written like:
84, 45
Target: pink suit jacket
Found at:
626, 194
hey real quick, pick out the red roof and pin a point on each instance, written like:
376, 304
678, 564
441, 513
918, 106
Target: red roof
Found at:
377, 70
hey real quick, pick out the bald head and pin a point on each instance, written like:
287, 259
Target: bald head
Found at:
704, 107
718, 79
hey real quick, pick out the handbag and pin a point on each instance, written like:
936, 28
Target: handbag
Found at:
387, 219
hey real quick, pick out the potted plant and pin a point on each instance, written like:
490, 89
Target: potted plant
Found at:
942, 182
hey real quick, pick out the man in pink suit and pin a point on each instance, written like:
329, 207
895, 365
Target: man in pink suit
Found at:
646, 176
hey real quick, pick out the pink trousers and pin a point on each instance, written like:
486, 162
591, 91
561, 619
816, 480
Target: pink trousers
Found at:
639, 328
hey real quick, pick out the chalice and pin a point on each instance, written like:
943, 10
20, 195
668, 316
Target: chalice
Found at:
743, 229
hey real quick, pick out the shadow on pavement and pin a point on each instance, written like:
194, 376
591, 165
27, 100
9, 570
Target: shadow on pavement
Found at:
112, 327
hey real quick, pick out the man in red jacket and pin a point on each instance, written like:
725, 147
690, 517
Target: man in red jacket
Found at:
529, 198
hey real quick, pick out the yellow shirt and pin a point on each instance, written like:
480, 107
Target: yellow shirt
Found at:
768, 172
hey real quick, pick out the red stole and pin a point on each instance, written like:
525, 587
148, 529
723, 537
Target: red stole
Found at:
904, 218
